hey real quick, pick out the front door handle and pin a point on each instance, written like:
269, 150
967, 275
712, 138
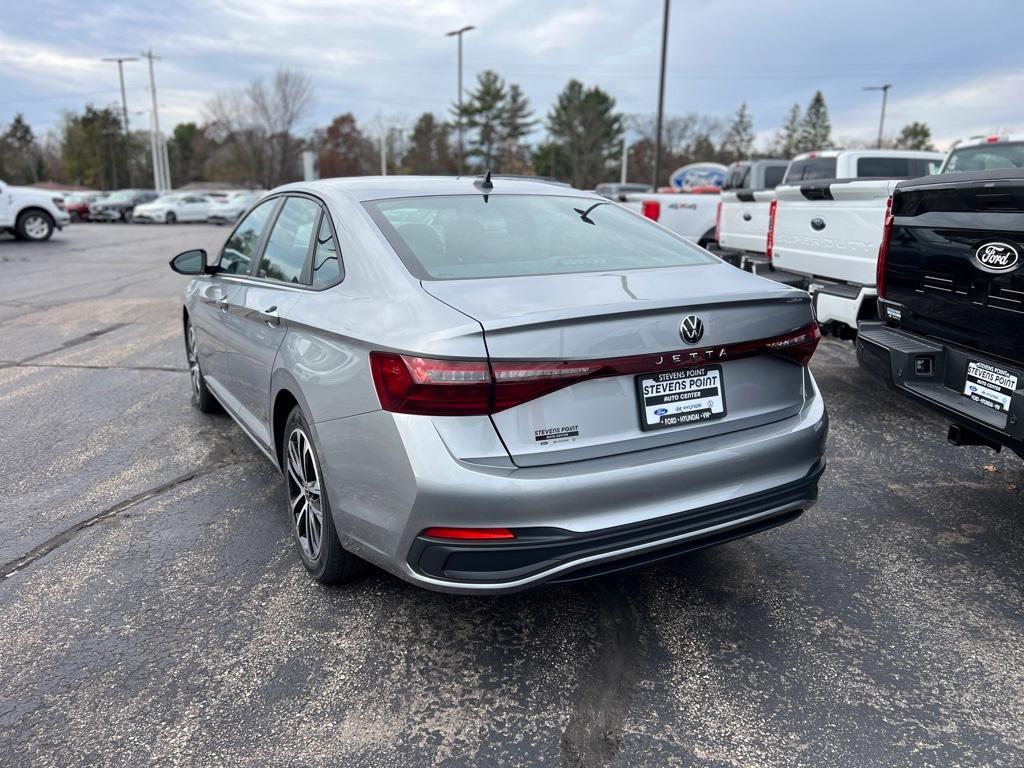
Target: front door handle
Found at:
223, 303
270, 316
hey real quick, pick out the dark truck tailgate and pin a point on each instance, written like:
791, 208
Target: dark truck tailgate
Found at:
955, 269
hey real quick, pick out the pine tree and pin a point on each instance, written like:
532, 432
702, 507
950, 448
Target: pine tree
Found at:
914, 136
739, 137
589, 130
482, 116
788, 136
429, 151
815, 130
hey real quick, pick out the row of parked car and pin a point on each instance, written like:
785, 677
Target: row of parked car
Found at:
914, 255
145, 205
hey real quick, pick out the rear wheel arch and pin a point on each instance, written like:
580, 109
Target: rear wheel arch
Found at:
284, 402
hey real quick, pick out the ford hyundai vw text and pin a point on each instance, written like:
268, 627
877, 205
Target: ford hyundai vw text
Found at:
482, 385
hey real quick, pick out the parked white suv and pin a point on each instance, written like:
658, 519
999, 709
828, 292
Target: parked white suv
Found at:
31, 214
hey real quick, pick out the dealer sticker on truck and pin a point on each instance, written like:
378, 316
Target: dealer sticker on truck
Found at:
990, 386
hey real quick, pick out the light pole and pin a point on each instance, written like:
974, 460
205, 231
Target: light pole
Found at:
161, 172
124, 111
661, 99
885, 96
458, 33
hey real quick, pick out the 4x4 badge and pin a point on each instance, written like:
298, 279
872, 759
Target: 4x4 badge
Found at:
996, 257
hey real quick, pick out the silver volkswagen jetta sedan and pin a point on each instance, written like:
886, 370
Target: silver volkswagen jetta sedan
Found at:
481, 385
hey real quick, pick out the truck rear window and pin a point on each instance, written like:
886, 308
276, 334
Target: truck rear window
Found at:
986, 157
895, 167
811, 168
451, 237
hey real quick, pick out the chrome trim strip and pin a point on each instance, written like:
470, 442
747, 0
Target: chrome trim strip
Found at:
608, 556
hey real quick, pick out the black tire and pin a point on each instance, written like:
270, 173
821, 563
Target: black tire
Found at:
325, 560
170, 218
202, 398
126, 217
34, 225
75, 216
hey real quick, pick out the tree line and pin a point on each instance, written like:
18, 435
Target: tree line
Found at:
252, 136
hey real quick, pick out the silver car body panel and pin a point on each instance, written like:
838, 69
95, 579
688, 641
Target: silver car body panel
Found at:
392, 475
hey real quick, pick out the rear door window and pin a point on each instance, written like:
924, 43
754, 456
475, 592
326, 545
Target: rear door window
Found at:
326, 258
986, 157
284, 256
236, 257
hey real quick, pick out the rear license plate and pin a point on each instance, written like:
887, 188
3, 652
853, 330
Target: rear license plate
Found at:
990, 386
675, 398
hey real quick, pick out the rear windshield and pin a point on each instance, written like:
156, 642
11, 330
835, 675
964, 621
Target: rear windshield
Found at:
986, 157
469, 236
895, 167
811, 168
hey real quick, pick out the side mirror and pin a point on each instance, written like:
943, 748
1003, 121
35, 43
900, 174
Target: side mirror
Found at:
190, 262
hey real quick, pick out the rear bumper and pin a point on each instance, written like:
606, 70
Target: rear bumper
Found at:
891, 355
571, 520
841, 303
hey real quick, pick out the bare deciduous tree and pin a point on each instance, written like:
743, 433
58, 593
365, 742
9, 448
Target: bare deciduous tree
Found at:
257, 126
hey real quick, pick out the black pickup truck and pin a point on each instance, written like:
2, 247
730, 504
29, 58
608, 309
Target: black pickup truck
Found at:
950, 333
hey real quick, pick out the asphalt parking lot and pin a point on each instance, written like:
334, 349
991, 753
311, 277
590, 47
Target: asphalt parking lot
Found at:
153, 611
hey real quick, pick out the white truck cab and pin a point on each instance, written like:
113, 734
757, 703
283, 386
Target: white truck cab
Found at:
826, 226
31, 214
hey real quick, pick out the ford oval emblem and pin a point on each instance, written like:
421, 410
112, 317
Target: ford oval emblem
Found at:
996, 257
817, 224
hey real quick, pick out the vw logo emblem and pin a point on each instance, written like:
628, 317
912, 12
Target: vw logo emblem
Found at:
691, 329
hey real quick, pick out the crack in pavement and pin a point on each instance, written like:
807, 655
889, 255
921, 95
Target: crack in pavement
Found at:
63, 537
77, 341
593, 736
98, 367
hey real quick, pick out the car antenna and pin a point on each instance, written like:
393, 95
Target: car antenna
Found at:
484, 186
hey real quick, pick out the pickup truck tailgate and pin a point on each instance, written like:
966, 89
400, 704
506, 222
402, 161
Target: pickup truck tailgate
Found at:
955, 265
831, 229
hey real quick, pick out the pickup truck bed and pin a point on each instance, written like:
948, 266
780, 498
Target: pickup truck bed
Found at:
951, 306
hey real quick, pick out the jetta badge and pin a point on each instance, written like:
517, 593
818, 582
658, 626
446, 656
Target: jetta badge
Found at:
691, 329
996, 257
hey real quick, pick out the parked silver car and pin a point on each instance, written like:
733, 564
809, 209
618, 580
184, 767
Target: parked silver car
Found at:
482, 385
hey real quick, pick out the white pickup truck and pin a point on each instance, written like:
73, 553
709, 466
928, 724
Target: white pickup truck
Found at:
826, 226
31, 214
742, 225
688, 214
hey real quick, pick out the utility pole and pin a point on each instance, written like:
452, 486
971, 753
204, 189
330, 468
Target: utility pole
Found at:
458, 33
661, 99
885, 96
622, 176
124, 111
161, 172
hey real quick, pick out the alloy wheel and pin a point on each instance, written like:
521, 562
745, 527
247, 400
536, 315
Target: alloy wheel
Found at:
304, 494
36, 226
193, 361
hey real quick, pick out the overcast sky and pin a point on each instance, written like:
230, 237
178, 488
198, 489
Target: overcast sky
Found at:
957, 66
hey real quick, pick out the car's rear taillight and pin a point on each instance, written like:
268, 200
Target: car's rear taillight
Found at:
770, 244
718, 223
883, 250
651, 209
428, 387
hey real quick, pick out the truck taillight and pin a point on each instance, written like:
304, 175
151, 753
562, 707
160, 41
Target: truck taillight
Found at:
770, 244
651, 209
883, 250
427, 387
718, 224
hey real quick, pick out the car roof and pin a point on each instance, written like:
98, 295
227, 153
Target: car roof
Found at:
911, 153
974, 141
365, 188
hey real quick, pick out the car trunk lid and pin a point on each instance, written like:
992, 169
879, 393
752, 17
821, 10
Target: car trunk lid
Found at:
603, 318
